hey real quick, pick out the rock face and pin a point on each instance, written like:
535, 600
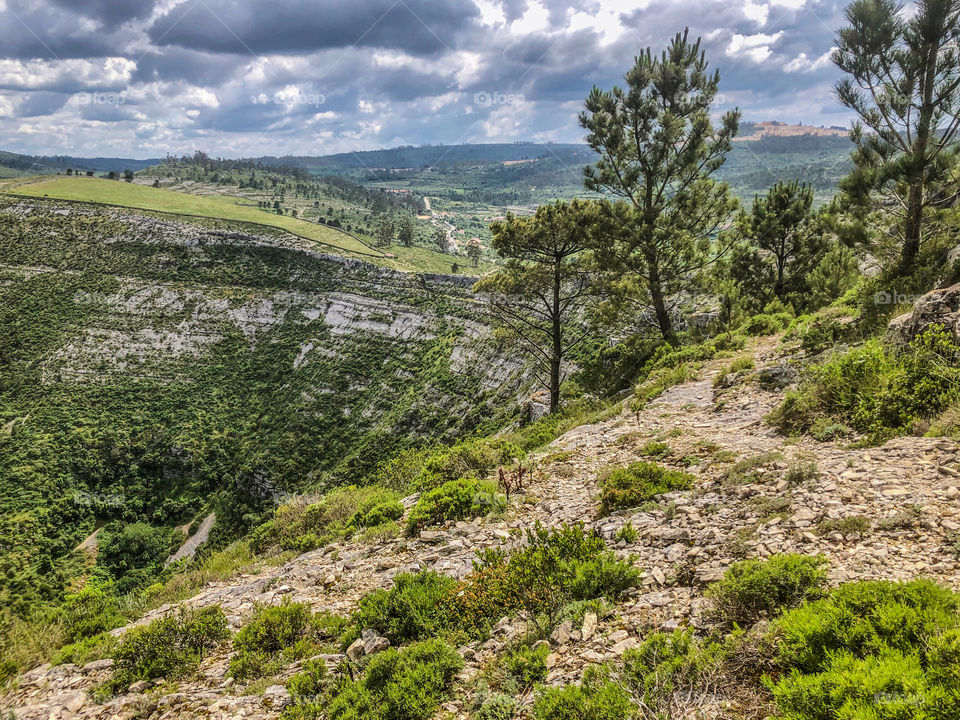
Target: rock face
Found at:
939, 307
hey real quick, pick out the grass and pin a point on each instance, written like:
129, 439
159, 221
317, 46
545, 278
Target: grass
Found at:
225, 207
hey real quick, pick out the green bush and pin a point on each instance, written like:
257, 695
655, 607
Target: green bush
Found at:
169, 647
557, 566
527, 665
454, 500
301, 526
412, 609
596, 698
878, 650
276, 635
877, 390
90, 612
407, 684
766, 324
667, 665
637, 483
752, 589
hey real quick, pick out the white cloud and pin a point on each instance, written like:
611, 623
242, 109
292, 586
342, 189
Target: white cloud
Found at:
66, 75
756, 48
803, 64
535, 19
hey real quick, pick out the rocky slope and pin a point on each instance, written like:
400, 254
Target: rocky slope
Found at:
776, 501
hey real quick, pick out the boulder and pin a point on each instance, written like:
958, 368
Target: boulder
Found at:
778, 377
939, 307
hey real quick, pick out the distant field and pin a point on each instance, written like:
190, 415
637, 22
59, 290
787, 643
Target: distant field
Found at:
114, 192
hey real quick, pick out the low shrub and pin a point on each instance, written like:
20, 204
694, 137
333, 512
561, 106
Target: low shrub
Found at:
454, 500
637, 483
300, 525
407, 684
557, 566
597, 697
277, 635
657, 450
412, 609
132, 555
753, 589
877, 390
170, 647
670, 665
873, 650
849, 525
752, 469
766, 324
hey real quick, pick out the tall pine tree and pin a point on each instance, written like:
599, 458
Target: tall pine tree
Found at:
658, 151
905, 77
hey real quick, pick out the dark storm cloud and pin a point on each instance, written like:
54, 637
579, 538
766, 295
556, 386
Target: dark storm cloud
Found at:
420, 27
109, 13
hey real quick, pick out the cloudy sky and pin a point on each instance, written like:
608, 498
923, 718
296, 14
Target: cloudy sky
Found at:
140, 78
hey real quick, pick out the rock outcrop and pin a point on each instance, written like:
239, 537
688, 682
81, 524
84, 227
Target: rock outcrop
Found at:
939, 307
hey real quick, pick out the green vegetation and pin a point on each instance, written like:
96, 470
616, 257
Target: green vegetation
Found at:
871, 649
556, 567
637, 483
278, 635
878, 390
595, 697
406, 684
170, 647
96, 190
752, 589
455, 500
412, 609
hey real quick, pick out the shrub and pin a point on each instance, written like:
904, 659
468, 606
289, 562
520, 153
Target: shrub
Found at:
557, 566
752, 589
169, 647
637, 483
670, 664
877, 390
596, 698
750, 469
527, 665
658, 450
275, 635
90, 612
849, 525
408, 684
410, 610
454, 500
301, 526
310, 683
764, 324
872, 650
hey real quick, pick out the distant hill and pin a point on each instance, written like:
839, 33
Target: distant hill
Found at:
507, 174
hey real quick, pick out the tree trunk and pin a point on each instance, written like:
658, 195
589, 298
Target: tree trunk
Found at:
911, 236
557, 354
663, 315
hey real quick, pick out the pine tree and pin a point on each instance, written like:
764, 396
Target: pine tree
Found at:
781, 245
540, 290
905, 74
658, 150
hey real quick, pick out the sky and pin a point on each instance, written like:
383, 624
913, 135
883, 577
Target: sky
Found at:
242, 78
